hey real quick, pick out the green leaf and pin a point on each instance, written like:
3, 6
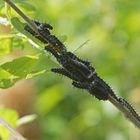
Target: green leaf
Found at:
35, 73
18, 24
11, 117
26, 5
15, 70
5, 74
20, 27
20, 66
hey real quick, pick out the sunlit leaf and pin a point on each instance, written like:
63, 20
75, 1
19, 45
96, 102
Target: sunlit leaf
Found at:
20, 66
26, 5
20, 27
18, 24
5, 45
35, 73
17, 69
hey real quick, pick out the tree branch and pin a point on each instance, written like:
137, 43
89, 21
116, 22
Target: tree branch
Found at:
13, 132
27, 19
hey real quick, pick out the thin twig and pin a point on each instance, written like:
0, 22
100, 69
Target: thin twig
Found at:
126, 111
13, 132
27, 19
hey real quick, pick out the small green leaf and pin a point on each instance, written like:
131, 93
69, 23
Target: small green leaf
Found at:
26, 5
4, 74
21, 66
20, 27
35, 73
15, 70
18, 24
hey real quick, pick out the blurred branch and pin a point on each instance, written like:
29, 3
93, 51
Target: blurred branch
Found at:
13, 132
80, 71
126, 109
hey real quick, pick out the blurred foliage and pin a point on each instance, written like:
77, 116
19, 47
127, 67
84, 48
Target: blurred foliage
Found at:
113, 30
6, 114
13, 120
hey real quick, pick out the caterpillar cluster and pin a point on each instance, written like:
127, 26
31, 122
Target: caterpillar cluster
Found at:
82, 74
45, 36
36, 35
80, 71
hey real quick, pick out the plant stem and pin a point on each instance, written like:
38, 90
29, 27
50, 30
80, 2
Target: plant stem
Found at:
27, 19
13, 132
128, 113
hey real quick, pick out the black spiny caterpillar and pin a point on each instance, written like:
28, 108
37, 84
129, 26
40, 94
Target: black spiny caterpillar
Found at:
80, 71
45, 36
